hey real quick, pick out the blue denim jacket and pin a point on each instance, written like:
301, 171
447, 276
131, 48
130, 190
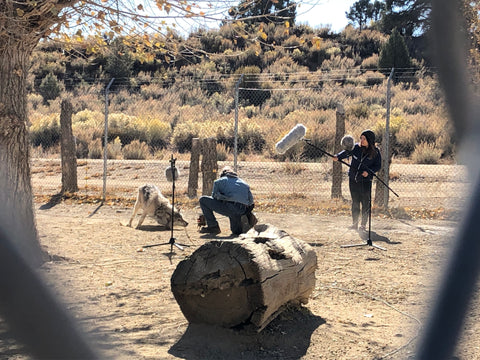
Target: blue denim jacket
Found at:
234, 189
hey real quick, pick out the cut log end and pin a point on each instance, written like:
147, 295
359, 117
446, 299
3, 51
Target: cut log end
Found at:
246, 281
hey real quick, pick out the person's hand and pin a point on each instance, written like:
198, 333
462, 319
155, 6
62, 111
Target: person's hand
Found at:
365, 174
335, 158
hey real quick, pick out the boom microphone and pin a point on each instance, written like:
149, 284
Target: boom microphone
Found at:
347, 143
289, 140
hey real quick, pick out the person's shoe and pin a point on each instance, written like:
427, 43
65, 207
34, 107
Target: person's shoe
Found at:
210, 230
245, 225
353, 227
252, 219
362, 228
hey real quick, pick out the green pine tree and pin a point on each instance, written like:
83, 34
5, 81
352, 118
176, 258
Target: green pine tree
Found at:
394, 54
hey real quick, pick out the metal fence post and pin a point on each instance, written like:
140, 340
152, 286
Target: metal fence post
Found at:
235, 139
105, 141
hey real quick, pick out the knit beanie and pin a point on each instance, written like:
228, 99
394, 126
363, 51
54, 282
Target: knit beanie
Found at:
370, 136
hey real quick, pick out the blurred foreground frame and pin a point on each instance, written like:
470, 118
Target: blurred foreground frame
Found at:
55, 335
444, 325
34, 315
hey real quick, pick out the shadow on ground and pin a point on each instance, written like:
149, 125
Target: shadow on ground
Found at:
53, 201
375, 237
286, 337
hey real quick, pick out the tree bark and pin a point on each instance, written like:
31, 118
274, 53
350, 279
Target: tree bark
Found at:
194, 166
209, 165
382, 194
245, 282
337, 166
16, 213
68, 149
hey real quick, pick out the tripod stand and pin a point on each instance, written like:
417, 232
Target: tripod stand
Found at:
172, 242
369, 240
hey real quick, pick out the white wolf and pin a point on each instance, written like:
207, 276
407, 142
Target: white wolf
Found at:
154, 204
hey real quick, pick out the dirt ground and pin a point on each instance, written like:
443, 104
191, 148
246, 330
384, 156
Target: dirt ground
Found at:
368, 303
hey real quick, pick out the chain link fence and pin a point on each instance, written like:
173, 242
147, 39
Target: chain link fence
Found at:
126, 134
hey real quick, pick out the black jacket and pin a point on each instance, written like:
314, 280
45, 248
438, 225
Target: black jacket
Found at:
360, 163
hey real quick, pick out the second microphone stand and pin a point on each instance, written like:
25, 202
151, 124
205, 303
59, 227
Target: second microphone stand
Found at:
369, 240
172, 242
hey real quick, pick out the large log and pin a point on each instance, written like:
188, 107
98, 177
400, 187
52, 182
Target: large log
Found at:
246, 281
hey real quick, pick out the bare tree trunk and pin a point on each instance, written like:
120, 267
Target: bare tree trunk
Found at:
16, 212
68, 149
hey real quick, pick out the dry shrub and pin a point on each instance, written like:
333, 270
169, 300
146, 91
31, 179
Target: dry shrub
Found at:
136, 150
95, 149
358, 110
222, 152
417, 131
122, 101
158, 154
322, 136
45, 130
374, 95
250, 137
124, 127
293, 168
152, 91
338, 63
88, 99
183, 134
39, 152
370, 62
155, 131
426, 153
220, 103
193, 113
446, 144
88, 125
413, 102
396, 123
34, 101
114, 149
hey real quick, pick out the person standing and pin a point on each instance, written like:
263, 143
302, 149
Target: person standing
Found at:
231, 196
366, 160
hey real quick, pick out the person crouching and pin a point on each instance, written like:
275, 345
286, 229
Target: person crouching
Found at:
231, 196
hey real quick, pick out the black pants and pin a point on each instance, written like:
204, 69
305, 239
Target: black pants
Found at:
360, 193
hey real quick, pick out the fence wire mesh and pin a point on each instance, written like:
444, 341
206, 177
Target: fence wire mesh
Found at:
151, 121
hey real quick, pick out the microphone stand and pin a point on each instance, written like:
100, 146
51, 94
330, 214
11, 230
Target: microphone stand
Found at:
369, 240
172, 239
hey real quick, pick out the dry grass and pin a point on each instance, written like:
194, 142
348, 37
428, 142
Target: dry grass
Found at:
417, 116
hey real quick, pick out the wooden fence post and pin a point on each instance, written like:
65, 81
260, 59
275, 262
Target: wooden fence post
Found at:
337, 171
209, 165
68, 149
194, 167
